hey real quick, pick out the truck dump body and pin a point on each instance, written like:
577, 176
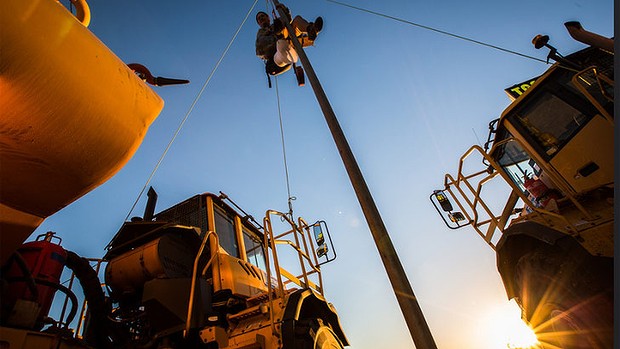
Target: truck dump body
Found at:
65, 130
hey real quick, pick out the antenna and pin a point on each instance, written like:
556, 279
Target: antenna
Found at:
476, 135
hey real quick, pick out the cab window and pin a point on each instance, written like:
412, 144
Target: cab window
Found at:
552, 115
254, 248
225, 229
516, 162
550, 122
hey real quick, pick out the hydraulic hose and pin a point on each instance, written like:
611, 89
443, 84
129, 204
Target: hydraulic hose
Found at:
58, 287
96, 334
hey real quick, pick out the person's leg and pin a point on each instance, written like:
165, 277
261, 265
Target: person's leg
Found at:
300, 25
285, 53
314, 28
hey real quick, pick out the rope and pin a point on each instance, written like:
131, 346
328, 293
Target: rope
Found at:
290, 198
273, 9
191, 108
288, 182
439, 31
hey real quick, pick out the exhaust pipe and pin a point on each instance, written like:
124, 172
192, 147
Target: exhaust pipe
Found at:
150, 205
577, 32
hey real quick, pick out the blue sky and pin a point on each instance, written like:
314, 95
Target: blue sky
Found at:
409, 100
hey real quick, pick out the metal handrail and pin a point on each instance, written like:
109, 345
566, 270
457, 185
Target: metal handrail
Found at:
300, 242
578, 81
495, 222
192, 292
315, 265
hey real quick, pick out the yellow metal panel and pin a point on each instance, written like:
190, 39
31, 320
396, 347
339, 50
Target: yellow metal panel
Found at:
71, 112
239, 280
131, 270
594, 143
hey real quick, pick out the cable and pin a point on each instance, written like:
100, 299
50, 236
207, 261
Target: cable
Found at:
439, 31
191, 108
288, 184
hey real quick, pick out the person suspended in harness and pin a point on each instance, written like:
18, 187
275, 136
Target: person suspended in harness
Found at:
274, 46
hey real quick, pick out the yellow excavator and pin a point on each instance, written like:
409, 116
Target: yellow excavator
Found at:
541, 195
200, 274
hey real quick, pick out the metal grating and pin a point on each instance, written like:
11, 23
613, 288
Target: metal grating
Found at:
190, 212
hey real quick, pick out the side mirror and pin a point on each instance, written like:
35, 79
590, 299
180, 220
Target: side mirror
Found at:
321, 251
320, 241
452, 218
318, 235
443, 200
456, 217
321, 238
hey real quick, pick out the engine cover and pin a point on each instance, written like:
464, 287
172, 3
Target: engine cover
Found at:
167, 257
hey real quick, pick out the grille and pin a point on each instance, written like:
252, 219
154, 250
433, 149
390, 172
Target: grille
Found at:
190, 212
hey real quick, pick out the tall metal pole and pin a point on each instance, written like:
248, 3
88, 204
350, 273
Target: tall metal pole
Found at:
409, 306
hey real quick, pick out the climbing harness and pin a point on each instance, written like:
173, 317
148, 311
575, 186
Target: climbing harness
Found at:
271, 68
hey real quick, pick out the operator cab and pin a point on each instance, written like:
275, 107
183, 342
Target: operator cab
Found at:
239, 236
240, 241
560, 134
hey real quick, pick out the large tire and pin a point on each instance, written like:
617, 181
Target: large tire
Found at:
314, 334
568, 304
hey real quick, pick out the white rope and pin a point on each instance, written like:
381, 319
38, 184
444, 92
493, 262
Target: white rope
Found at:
288, 182
191, 108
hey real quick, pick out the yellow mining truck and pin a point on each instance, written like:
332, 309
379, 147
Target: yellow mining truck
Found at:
197, 275
542, 195
200, 274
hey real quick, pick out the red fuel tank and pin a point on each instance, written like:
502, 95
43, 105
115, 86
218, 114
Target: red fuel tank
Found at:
45, 260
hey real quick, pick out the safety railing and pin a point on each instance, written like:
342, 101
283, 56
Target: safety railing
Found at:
466, 190
212, 239
299, 239
591, 82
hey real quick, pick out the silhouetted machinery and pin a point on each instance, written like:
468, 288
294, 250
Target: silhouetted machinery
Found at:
551, 152
199, 274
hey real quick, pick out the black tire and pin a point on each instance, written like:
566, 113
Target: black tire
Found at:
568, 304
314, 334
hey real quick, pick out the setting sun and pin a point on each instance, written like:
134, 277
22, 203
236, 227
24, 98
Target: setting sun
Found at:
521, 336
506, 329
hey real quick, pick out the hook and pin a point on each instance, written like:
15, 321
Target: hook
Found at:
146, 75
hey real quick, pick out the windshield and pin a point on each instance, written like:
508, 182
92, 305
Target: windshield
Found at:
551, 122
552, 115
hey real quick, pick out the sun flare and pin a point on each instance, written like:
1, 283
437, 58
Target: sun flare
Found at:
506, 329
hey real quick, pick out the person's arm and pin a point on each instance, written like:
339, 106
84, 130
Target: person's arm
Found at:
278, 26
286, 10
264, 40
260, 43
